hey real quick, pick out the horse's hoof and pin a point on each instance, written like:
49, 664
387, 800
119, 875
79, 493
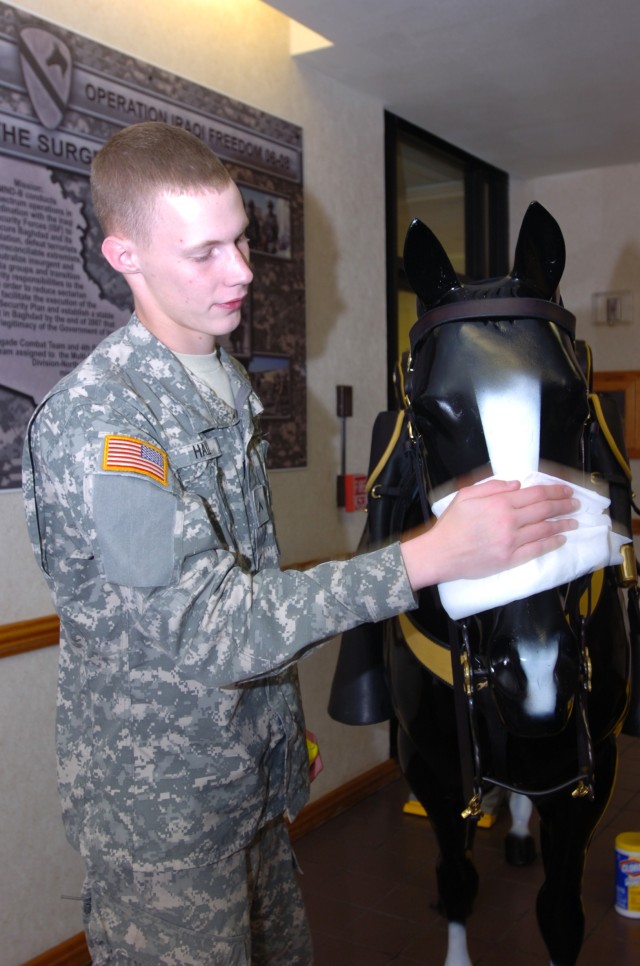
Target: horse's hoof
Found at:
519, 850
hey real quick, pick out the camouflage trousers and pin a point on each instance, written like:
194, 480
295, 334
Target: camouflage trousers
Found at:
245, 910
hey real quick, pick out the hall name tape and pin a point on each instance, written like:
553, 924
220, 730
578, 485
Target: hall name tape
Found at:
124, 453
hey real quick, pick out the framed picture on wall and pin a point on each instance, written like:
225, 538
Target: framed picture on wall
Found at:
45, 157
269, 229
271, 378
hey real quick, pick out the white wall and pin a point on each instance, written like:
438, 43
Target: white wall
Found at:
598, 211
240, 48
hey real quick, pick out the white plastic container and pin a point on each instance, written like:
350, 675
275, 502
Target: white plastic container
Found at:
628, 874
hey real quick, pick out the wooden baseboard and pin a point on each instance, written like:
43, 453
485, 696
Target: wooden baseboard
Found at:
74, 951
340, 799
29, 635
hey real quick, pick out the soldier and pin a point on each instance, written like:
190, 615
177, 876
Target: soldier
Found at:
180, 735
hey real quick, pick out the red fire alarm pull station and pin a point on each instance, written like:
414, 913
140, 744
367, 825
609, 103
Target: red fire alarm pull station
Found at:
355, 493
351, 492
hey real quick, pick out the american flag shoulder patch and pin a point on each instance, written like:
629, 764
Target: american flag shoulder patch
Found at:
129, 455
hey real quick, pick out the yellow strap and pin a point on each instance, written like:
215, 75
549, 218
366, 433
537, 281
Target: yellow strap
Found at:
435, 657
382, 462
591, 596
626, 469
589, 355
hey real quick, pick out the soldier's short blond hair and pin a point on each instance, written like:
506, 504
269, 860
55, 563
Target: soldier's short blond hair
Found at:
143, 161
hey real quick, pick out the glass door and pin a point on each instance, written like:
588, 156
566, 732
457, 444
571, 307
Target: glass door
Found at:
463, 200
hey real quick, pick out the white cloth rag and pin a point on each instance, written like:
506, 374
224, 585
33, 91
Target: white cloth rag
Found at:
591, 546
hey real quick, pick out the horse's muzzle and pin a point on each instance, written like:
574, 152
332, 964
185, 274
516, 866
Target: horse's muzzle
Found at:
533, 666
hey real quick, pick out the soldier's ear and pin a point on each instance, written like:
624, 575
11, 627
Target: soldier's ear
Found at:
121, 254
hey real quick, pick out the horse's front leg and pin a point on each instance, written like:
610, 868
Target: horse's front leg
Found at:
456, 875
457, 950
566, 828
519, 844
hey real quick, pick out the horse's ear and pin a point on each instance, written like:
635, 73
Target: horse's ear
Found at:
540, 251
429, 271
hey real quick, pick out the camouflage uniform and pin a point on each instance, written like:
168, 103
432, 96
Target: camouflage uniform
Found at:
149, 511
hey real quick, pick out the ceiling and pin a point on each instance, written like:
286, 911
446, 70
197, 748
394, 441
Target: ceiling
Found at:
534, 87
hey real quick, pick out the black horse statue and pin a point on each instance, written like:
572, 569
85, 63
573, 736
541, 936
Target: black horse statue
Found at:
530, 694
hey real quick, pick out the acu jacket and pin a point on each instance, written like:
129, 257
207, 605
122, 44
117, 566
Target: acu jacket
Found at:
179, 725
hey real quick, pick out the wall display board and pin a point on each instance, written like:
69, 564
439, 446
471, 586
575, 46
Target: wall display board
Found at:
61, 97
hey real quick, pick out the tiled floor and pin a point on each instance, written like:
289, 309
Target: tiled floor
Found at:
369, 886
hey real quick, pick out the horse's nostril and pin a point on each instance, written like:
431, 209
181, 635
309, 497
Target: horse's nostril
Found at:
505, 670
533, 679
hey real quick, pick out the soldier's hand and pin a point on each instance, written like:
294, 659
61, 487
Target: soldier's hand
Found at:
488, 528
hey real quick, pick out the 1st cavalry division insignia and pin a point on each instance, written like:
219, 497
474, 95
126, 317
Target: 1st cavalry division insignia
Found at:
46, 68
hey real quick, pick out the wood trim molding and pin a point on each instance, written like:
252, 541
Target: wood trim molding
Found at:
45, 631
340, 799
74, 951
29, 635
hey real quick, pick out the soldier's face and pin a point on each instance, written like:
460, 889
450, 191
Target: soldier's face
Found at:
193, 275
